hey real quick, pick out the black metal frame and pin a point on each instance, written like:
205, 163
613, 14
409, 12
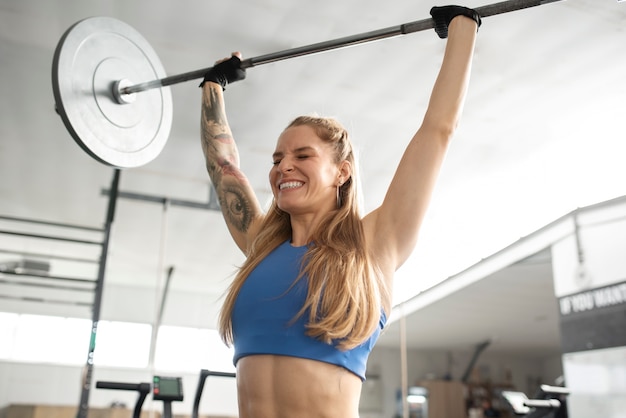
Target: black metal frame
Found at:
40, 279
83, 406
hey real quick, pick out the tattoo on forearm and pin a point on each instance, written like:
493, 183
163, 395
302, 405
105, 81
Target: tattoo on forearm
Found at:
222, 162
215, 132
236, 207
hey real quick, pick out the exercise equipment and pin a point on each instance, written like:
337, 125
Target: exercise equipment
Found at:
549, 401
164, 388
86, 375
98, 60
204, 373
141, 388
93, 59
167, 389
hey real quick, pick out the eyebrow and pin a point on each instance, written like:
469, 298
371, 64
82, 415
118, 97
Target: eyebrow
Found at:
301, 149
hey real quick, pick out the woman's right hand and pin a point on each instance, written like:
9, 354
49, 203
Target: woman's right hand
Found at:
226, 71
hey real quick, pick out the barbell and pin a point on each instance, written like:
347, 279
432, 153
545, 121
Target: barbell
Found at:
98, 59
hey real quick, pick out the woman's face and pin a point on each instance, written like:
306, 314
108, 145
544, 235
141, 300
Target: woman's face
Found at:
304, 176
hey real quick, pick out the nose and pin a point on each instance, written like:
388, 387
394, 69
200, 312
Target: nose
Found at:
285, 165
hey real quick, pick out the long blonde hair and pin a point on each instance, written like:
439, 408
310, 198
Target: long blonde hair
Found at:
344, 287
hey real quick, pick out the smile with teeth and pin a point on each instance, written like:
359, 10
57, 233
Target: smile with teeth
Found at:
290, 185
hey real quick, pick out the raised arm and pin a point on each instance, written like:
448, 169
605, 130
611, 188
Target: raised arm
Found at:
238, 202
396, 223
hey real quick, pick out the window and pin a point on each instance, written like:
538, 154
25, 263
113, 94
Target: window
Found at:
192, 349
8, 324
122, 344
58, 340
50, 339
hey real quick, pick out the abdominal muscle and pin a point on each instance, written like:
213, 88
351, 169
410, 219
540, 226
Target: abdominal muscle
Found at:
271, 386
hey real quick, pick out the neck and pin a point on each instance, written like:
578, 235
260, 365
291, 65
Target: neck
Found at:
303, 228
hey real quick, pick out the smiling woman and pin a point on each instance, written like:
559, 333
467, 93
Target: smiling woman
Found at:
313, 294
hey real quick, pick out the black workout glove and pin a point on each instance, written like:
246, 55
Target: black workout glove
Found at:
444, 15
225, 72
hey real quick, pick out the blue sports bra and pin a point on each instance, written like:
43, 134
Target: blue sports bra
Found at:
264, 310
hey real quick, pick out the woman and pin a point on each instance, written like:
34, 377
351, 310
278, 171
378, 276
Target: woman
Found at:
310, 300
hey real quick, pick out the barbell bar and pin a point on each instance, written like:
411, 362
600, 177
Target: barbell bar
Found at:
390, 32
97, 59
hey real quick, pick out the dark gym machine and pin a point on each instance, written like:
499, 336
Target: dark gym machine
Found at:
165, 389
548, 402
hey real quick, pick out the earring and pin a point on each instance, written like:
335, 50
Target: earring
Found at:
339, 195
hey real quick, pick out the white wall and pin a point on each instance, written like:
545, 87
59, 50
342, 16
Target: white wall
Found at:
603, 241
596, 377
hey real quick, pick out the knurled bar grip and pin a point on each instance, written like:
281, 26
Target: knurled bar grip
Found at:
411, 27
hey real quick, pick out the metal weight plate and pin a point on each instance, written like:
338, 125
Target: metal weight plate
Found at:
93, 57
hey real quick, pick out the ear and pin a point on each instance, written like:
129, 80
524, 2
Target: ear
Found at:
345, 171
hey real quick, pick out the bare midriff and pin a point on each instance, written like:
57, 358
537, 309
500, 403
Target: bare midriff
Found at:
270, 386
